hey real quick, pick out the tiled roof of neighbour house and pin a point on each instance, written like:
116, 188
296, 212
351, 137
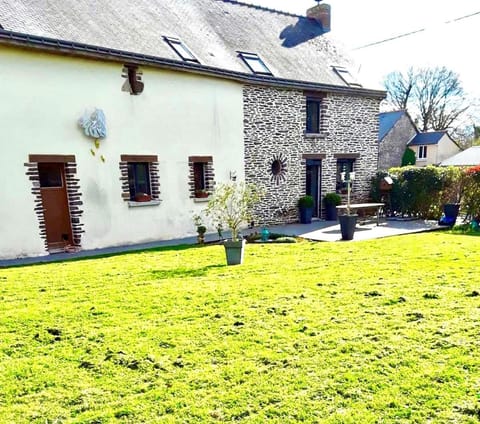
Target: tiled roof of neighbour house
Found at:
425, 138
294, 48
387, 120
468, 157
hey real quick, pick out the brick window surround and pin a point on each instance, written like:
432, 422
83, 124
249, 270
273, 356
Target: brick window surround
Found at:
198, 183
73, 193
152, 161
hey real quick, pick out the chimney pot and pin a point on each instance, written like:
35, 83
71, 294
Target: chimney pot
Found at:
321, 13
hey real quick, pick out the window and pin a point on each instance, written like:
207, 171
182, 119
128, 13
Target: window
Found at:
139, 180
346, 76
313, 115
139, 176
254, 63
422, 152
201, 180
343, 165
181, 49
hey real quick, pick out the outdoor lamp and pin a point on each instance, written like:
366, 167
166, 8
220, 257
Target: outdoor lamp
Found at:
342, 176
352, 176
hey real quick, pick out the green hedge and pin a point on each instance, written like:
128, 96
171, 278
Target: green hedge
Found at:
419, 192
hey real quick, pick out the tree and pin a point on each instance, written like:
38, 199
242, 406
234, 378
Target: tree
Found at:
408, 157
433, 96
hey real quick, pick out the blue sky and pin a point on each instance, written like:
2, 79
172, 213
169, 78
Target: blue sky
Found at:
356, 23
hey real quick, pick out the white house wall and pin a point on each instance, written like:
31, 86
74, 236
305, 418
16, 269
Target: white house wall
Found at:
446, 148
178, 115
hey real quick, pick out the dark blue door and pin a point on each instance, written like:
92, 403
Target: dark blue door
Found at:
314, 184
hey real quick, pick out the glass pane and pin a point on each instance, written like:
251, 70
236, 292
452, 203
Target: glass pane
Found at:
199, 175
50, 175
313, 116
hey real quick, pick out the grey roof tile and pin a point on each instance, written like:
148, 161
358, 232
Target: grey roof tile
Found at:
293, 47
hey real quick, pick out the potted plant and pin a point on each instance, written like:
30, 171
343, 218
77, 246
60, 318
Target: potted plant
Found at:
201, 193
331, 200
348, 221
305, 206
230, 206
142, 197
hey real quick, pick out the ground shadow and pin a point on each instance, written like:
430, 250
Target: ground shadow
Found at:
305, 29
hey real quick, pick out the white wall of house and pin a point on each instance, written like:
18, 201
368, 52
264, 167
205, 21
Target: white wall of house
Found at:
178, 115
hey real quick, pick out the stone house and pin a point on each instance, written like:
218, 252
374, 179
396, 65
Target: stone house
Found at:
193, 93
396, 130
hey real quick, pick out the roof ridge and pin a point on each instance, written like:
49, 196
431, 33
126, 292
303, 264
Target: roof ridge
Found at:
266, 9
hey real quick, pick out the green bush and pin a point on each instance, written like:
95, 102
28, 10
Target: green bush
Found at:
305, 202
471, 192
408, 157
419, 192
333, 199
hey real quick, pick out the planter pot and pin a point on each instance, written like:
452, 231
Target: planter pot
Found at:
306, 215
450, 213
234, 251
142, 197
347, 226
331, 212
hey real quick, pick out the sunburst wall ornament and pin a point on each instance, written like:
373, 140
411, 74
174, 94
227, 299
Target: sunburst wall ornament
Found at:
278, 168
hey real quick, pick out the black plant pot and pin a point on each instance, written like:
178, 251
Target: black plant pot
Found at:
306, 215
331, 212
347, 226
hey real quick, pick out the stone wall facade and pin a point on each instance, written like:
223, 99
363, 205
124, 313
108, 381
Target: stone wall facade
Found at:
392, 147
277, 147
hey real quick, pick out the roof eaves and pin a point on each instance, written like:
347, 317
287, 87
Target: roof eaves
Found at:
80, 49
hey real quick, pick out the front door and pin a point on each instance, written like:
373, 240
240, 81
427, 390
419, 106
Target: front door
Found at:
55, 206
314, 184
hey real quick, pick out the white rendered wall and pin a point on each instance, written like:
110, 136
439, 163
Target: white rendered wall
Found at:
446, 149
178, 115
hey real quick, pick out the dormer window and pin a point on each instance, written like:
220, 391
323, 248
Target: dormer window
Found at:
181, 49
254, 63
346, 76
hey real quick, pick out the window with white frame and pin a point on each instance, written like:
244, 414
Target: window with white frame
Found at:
422, 152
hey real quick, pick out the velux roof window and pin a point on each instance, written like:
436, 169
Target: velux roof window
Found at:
181, 49
346, 76
256, 65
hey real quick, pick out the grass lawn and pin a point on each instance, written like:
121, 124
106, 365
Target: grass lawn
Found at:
383, 331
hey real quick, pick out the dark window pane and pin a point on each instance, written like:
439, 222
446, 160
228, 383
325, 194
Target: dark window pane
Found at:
50, 175
343, 165
199, 175
138, 178
313, 116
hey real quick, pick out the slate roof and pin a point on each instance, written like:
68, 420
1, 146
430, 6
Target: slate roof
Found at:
468, 157
387, 121
293, 47
426, 138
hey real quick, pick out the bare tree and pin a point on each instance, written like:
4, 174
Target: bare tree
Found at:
434, 97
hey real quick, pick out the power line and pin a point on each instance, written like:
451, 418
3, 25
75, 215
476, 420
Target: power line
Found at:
407, 34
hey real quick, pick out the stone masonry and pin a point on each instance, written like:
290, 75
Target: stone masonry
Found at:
274, 127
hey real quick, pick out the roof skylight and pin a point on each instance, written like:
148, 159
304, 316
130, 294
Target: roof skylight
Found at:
256, 65
181, 49
346, 76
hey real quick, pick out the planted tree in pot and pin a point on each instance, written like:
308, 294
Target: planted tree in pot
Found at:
230, 206
348, 221
331, 201
305, 206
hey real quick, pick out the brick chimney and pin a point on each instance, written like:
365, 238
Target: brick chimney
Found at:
320, 13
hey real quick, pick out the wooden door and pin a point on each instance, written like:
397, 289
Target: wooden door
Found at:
55, 205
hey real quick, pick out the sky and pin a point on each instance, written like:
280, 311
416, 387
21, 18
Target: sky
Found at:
356, 23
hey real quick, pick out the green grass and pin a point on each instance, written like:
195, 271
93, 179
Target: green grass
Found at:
383, 331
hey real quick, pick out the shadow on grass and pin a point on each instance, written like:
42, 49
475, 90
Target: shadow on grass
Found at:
165, 274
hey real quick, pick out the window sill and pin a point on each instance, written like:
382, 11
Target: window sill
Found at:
314, 135
133, 204
201, 199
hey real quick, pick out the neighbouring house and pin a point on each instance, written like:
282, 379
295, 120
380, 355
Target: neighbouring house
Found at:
193, 93
396, 129
433, 147
468, 157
